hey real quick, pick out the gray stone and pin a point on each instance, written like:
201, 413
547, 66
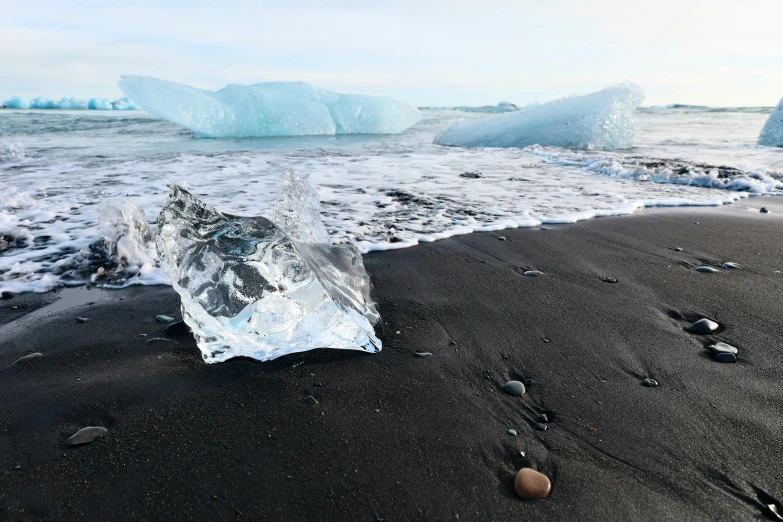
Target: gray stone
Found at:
540, 426
513, 433
80, 320
542, 417
86, 435
310, 400
515, 388
650, 383
707, 270
164, 319
27, 357
725, 357
678, 249
610, 280
177, 328
764, 210
533, 273
721, 347
703, 327
422, 354
729, 264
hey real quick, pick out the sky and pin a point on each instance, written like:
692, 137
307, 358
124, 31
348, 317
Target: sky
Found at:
431, 53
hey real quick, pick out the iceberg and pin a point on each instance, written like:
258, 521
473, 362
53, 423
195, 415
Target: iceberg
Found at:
772, 133
72, 104
99, 104
123, 104
18, 102
272, 109
263, 288
601, 120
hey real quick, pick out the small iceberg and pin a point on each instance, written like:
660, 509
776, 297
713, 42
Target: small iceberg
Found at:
772, 133
272, 109
263, 288
602, 120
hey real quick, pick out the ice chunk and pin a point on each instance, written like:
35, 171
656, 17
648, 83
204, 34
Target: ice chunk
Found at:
601, 120
18, 102
43, 103
269, 109
127, 247
72, 104
99, 104
772, 133
123, 104
252, 287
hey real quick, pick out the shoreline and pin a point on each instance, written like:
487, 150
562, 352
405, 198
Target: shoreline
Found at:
394, 436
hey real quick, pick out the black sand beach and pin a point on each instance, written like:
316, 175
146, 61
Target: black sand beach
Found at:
394, 436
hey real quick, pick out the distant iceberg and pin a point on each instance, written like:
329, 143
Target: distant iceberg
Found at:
99, 104
270, 109
123, 104
18, 102
772, 133
601, 120
263, 288
70, 103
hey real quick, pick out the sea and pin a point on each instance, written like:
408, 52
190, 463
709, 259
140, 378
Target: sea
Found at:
68, 178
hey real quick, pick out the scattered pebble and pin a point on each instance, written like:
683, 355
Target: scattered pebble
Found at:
7, 295
703, 327
764, 210
678, 249
164, 318
422, 354
721, 347
27, 357
610, 279
531, 484
161, 340
725, 357
707, 270
540, 426
513, 433
80, 320
501, 238
729, 264
86, 435
542, 417
515, 388
533, 273
310, 400
650, 383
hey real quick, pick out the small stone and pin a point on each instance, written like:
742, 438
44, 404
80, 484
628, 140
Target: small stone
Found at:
7, 295
86, 435
453, 343
725, 357
17, 467
27, 357
513, 433
533, 273
707, 270
310, 400
531, 484
422, 354
703, 327
515, 388
678, 249
542, 417
501, 238
764, 210
650, 383
80, 320
721, 347
177, 328
729, 264
164, 319
528, 382
540, 426
610, 279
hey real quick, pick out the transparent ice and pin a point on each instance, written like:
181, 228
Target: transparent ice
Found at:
772, 133
269, 109
602, 120
262, 289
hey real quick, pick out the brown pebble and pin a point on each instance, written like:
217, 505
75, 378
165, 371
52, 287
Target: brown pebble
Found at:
532, 485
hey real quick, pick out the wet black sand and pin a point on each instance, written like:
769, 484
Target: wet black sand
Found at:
399, 437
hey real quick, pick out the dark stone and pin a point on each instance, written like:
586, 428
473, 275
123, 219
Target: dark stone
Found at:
177, 328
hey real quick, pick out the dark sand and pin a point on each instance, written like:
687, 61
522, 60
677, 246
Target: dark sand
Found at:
399, 437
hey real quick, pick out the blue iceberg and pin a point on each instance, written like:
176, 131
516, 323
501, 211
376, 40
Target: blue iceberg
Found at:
123, 104
602, 120
18, 102
772, 133
99, 104
272, 109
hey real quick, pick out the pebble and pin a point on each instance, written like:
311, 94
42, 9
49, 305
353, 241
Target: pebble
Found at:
540, 426
513, 433
161, 340
542, 417
729, 264
764, 210
422, 354
164, 318
707, 270
650, 383
703, 327
515, 388
610, 280
678, 249
177, 328
528, 382
311, 400
27, 357
721, 347
7, 295
533, 273
86, 435
725, 357
531, 484
501, 238
80, 320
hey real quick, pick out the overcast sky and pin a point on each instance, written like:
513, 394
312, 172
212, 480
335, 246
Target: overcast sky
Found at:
706, 52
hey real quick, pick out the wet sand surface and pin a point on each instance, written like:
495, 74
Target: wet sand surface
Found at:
394, 436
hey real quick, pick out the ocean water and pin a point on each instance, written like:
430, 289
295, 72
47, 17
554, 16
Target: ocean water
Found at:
65, 177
